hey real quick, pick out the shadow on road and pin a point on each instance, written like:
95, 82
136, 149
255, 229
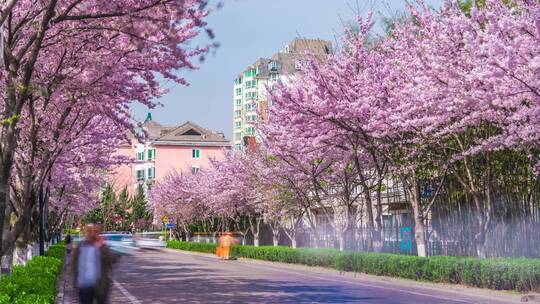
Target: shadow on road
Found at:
154, 280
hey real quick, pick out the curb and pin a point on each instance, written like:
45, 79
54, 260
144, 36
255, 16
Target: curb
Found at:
531, 298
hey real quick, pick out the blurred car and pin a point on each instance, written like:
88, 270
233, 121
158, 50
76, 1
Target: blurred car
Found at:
150, 240
120, 242
77, 238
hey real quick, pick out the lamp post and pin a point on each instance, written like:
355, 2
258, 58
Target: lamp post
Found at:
41, 222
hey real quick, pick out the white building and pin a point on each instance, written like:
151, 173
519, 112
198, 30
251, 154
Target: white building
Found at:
249, 91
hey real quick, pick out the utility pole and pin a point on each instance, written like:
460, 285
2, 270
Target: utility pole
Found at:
41, 222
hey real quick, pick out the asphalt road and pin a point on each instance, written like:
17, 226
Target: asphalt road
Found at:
178, 277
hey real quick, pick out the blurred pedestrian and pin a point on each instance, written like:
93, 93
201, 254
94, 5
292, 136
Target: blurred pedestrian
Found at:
67, 242
223, 251
92, 267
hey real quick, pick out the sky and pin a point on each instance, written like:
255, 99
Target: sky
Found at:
247, 30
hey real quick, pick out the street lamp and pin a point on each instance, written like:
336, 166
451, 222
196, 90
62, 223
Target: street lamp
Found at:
41, 222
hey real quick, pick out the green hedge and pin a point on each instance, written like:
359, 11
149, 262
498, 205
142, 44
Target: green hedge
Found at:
36, 282
189, 246
504, 274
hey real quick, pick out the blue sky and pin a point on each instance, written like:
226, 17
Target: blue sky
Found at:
247, 30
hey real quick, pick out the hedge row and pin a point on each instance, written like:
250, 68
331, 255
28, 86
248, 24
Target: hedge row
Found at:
36, 282
190, 246
504, 274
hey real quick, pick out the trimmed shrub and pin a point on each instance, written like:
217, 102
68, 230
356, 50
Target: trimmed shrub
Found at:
518, 274
56, 251
35, 282
191, 246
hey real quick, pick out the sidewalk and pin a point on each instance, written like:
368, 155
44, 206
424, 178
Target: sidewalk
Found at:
67, 293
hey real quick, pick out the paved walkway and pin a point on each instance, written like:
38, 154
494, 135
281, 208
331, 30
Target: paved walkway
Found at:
67, 294
180, 277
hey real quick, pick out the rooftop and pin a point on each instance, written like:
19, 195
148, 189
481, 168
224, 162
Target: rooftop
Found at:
291, 56
188, 133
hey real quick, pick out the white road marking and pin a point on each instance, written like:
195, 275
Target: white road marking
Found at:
127, 294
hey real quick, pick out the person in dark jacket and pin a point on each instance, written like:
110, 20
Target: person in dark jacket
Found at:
67, 242
92, 267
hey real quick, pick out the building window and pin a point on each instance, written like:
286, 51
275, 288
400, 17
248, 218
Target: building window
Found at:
238, 146
140, 155
238, 103
196, 153
251, 84
140, 175
273, 76
238, 80
250, 131
151, 173
151, 154
251, 95
238, 125
251, 117
238, 91
273, 65
250, 73
238, 136
238, 113
195, 169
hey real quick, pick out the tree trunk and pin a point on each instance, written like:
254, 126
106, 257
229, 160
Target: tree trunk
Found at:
419, 227
378, 238
291, 232
187, 233
341, 239
6, 263
5, 215
255, 229
275, 235
21, 248
373, 232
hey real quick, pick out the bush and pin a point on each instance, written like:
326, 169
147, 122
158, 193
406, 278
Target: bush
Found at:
56, 251
191, 246
35, 282
504, 274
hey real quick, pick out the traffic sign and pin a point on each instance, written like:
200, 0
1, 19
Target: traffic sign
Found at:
170, 225
165, 219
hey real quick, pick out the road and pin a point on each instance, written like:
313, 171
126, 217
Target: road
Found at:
180, 277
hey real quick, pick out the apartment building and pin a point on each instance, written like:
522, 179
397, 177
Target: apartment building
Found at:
250, 86
187, 147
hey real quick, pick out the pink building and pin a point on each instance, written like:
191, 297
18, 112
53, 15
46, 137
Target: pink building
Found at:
184, 148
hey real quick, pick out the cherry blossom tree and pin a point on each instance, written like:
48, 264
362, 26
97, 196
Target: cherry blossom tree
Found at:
448, 99
399, 101
103, 55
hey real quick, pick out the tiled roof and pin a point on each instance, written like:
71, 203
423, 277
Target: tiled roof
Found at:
156, 130
185, 134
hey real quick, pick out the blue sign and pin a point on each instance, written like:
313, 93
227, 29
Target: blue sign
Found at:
406, 237
170, 225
